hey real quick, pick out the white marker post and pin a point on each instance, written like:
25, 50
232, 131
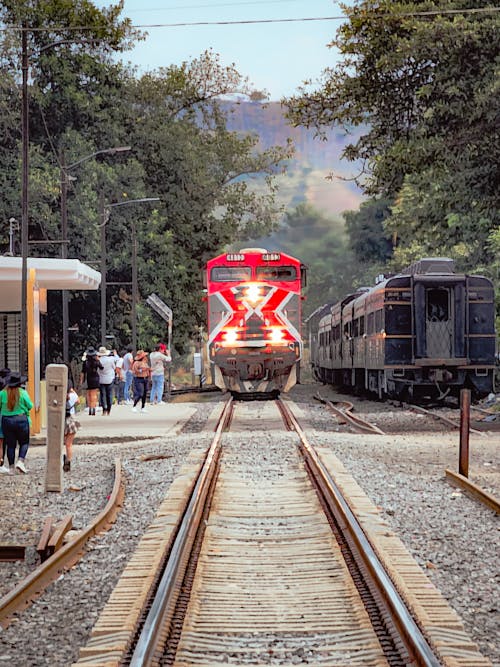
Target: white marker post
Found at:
56, 376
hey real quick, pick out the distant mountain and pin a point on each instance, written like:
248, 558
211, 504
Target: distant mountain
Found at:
314, 160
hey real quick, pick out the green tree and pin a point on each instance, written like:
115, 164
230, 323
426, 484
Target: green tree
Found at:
83, 101
365, 227
424, 88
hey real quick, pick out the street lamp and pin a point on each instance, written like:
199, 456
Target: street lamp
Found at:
105, 211
65, 177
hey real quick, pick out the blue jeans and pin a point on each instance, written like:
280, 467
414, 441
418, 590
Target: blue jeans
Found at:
129, 377
158, 382
105, 391
119, 391
16, 429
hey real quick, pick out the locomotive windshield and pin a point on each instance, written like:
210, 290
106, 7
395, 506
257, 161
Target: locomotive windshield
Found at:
285, 273
229, 274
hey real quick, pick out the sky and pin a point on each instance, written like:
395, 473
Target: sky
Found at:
276, 57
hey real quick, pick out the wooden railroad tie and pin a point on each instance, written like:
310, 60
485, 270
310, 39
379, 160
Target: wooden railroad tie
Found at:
52, 536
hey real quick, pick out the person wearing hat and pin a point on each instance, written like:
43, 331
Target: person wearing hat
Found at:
90, 373
4, 376
15, 406
107, 373
141, 372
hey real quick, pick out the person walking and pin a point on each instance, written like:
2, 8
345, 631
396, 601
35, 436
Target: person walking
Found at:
71, 426
90, 374
158, 359
4, 376
119, 385
107, 374
15, 406
141, 372
128, 360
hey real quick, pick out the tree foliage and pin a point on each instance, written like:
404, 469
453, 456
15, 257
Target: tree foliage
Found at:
424, 88
365, 228
81, 102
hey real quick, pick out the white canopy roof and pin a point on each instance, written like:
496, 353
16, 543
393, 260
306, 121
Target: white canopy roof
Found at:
51, 273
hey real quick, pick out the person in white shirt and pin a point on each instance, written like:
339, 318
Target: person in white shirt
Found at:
158, 360
107, 374
128, 360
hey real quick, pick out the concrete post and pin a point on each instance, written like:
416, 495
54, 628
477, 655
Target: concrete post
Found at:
56, 376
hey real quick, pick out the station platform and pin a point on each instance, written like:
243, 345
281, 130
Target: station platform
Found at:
123, 425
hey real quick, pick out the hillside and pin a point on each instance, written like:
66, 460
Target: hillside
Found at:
315, 158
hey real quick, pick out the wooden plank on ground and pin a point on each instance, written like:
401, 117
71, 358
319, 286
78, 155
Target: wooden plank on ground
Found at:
57, 538
47, 530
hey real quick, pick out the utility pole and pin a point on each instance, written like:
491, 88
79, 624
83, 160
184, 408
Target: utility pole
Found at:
134, 287
64, 255
105, 213
103, 217
23, 355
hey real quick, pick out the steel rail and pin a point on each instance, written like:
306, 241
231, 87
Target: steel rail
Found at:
38, 580
357, 422
168, 591
417, 646
473, 490
445, 420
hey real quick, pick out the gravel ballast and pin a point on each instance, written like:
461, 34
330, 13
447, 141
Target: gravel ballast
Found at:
453, 538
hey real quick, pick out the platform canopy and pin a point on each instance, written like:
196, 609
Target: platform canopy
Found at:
50, 273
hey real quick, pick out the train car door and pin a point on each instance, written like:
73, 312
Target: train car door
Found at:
439, 322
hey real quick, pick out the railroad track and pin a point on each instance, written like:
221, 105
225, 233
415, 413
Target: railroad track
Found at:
267, 563
343, 412
61, 560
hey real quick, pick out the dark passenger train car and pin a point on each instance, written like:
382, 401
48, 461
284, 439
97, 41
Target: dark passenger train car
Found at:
424, 333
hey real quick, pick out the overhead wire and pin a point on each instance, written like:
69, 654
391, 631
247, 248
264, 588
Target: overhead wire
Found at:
343, 17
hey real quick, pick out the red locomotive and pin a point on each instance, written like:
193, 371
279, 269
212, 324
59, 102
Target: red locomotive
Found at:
254, 319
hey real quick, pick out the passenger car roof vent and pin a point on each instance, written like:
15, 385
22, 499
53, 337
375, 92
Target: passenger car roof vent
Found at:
430, 265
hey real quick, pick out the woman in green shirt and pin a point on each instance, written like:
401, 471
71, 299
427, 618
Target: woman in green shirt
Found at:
15, 406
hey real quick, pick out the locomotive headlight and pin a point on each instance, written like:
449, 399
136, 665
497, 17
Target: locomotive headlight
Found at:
230, 336
253, 292
276, 335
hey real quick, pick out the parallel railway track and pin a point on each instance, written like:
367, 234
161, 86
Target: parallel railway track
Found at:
256, 572
343, 412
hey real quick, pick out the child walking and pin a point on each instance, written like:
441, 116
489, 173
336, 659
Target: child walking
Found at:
71, 426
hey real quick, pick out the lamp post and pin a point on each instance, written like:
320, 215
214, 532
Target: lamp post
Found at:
105, 212
64, 178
